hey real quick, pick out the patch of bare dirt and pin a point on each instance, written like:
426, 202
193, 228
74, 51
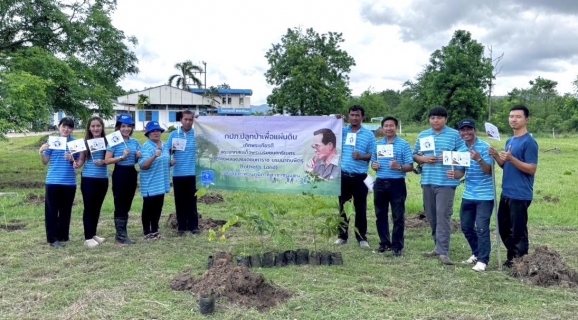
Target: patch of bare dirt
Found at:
212, 198
204, 224
16, 184
235, 283
420, 221
35, 200
545, 267
551, 199
13, 225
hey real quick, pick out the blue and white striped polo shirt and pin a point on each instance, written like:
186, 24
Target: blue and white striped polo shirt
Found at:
479, 185
60, 170
364, 144
117, 151
185, 160
401, 153
447, 140
90, 169
154, 181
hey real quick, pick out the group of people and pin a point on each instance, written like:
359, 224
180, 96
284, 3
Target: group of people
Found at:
154, 158
518, 161
359, 152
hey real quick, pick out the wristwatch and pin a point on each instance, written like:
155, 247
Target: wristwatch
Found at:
479, 160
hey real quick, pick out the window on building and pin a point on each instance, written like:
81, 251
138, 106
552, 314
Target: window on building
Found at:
148, 115
241, 99
172, 116
228, 100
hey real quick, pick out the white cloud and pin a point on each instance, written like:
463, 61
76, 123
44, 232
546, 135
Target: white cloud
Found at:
232, 37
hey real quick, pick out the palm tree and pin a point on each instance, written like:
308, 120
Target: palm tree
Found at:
143, 100
212, 93
187, 70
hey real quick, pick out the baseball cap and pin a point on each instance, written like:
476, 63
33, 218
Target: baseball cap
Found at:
467, 123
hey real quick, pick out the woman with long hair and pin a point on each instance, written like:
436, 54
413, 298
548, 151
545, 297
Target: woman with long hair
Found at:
94, 181
60, 187
124, 156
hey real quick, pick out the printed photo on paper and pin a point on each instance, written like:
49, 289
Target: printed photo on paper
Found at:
427, 144
385, 151
492, 131
179, 144
97, 144
57, 143
350, 139
114, 138
76, 146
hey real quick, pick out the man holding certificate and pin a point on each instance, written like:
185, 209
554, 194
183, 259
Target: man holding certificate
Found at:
391, 159
184, 149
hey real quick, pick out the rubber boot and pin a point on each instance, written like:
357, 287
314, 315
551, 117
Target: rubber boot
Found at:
121, 232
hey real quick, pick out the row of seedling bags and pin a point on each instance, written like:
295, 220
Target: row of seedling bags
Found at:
288, 258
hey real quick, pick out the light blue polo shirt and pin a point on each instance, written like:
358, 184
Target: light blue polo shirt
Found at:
185, 160
154, 181
401, 153
364, 144
117, 151
90, 169
447, 140
479, 184
60, 171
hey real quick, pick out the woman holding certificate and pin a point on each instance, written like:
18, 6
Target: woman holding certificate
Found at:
154, 179
94, 180
124, 156
60, 184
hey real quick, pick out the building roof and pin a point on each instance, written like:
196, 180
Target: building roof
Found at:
247, 92
165, 95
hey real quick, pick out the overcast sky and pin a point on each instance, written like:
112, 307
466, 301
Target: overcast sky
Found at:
390, 40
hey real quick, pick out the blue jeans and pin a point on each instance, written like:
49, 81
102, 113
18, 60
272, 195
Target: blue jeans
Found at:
475, 218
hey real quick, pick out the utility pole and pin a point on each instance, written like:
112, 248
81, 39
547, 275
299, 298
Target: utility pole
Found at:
205, 64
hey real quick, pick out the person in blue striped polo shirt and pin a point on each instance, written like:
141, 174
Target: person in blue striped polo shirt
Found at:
478, 197
438, 189
154, 179
124, 156
391, 159
184, 177
60, 187
93, 183
358, 144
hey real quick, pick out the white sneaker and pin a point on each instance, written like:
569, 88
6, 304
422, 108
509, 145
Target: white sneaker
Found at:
340, 242
364, 245
91, 243
471, 260
480, 266
98, 239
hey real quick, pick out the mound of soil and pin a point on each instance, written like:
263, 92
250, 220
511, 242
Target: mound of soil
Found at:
204, 224
13, 225
35, 199
420, 221
211, 198
544, 268
235, 283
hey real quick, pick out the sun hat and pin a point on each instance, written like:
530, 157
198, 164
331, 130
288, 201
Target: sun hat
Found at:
125, 118
153, 126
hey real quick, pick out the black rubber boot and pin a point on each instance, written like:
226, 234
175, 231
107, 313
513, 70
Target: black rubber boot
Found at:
121, 233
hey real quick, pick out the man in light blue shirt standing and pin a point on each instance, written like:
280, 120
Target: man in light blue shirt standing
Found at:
478, 197
391, 159
358, 144
438, 189
184, 178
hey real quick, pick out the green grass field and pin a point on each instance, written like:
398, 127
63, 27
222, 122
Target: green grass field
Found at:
109, 282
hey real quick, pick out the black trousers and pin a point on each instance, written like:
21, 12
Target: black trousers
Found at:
123, 189
388, 192
352, 186
185, 189
152, 207
57, 211
93, 192
513, 226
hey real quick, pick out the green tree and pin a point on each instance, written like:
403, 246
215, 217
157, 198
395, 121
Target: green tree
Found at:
186, 73
224, 86
212, 94
309, 73
143, 101
456, 78
73, 46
